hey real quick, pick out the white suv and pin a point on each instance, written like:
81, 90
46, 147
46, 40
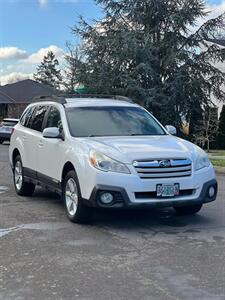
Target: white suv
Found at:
110, 153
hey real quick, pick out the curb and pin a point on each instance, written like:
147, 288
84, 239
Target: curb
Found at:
219, 170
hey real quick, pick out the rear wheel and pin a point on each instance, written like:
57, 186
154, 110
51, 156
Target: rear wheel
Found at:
77, 212
188, 210
22, 188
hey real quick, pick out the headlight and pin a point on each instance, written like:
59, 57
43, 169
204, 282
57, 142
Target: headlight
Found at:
202, 160
106, 164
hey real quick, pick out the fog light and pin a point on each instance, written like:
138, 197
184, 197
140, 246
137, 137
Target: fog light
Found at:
211, 191
106, 198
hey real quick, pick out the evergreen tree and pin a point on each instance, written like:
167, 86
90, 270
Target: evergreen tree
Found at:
72, 64
221, 129
196, 120
48, 72
144, 49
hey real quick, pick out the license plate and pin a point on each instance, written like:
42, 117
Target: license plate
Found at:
6, 129
167, 190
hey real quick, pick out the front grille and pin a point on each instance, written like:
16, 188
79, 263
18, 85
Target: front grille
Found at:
153, 195
163, 168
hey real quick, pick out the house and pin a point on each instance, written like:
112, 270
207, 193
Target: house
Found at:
16, 96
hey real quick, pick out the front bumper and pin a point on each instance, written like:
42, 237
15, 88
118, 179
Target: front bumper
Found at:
122, 200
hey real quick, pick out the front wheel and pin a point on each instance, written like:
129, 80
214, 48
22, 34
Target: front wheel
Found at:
22, 188
188, 210
77, 212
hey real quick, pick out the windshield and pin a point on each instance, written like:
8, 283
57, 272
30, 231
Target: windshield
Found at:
111, 121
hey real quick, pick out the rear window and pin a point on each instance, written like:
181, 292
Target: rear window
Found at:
9, 123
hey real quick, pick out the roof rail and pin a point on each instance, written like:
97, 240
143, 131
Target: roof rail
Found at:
51, 98
62, 99
99, 96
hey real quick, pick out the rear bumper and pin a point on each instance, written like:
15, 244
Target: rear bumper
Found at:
122, 200
5, 136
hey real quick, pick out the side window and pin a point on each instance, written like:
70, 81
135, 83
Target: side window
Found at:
54, 119
27, 116
38, 117
30, 116
23, 117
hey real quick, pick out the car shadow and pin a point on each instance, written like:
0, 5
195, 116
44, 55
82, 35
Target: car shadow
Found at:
135, 219
147, 218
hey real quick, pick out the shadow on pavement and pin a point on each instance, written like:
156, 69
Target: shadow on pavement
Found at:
132, 218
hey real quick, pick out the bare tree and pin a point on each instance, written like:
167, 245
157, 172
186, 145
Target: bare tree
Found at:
206, 131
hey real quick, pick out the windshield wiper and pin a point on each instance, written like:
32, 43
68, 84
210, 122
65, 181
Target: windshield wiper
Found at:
94, 135
144, 134
134, 134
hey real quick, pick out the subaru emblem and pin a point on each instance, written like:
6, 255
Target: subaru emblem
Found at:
164, 163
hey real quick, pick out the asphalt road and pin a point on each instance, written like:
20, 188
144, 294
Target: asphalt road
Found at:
151, 254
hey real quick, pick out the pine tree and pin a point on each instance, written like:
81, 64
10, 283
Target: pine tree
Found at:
221, 130
72, 64
48, 72
196, 121
144, 49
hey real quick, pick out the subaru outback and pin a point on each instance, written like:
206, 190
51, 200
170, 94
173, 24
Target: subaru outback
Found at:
107, 152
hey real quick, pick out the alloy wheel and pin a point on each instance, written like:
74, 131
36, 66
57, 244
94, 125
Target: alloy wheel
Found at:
71, 196
18, 176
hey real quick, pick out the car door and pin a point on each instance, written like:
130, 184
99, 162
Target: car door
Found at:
51, 151
24, 133
31, 137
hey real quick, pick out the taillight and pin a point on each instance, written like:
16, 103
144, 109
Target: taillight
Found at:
13, 129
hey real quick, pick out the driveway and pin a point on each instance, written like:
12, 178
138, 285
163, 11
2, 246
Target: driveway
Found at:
150, 254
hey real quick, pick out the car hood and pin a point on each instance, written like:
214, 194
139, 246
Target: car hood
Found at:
128, 149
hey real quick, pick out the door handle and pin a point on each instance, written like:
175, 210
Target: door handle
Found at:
24, 137
40, 144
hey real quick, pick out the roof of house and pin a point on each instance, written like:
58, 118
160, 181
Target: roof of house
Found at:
5, 98
24, 91
220, 42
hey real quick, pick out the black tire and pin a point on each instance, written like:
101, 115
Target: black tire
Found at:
188, 210
25, 188
81, 213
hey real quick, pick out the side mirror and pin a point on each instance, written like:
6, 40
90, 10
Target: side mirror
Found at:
171, 129
52, 133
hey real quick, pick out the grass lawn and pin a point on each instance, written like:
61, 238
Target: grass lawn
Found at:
218, 162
